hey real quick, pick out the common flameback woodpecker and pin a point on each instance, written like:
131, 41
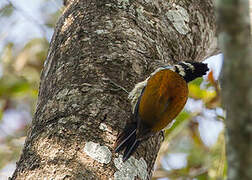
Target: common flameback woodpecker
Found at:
156, 101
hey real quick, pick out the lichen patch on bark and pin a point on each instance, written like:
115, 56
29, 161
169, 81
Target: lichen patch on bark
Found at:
130, 169
99, 153
179, 18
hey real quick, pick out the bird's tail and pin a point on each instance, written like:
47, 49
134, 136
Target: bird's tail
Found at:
127, 141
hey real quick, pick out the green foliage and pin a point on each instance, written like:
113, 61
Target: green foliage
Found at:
13, 86
50, 22
6, 10
178, 125
196, 92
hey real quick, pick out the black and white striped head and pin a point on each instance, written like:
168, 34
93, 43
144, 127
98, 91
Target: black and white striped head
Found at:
190, 70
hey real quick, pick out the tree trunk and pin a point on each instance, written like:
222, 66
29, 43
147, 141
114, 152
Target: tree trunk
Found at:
101, 48
237, 87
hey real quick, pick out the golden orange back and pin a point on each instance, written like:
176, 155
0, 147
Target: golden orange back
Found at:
163, 98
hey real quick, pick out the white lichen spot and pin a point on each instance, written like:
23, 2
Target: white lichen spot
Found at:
82, 128
101, 31
86, 39
108, 5
99, 153
130, 169
74, 105
142, 168
179, 18
63, 121
103, 127
74, 118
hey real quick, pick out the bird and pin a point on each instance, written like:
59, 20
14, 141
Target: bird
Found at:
156, 102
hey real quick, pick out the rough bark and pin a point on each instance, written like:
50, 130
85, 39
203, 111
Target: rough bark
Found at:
235, 38
99, 48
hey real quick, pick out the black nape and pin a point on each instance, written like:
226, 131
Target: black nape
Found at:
191, 70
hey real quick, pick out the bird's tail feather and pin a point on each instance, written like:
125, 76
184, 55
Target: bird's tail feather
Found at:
127, 140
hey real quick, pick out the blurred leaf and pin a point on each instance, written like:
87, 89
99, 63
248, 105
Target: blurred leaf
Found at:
218, 161
10, 151
7, 53
7, 10
34, 93
12, 86
32, 75
1, 115
194, 132
197, 82
197, 93
197, 157
20, 86
214, 102
210, 77
33, 55
203, 176
53, 18
177, 126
